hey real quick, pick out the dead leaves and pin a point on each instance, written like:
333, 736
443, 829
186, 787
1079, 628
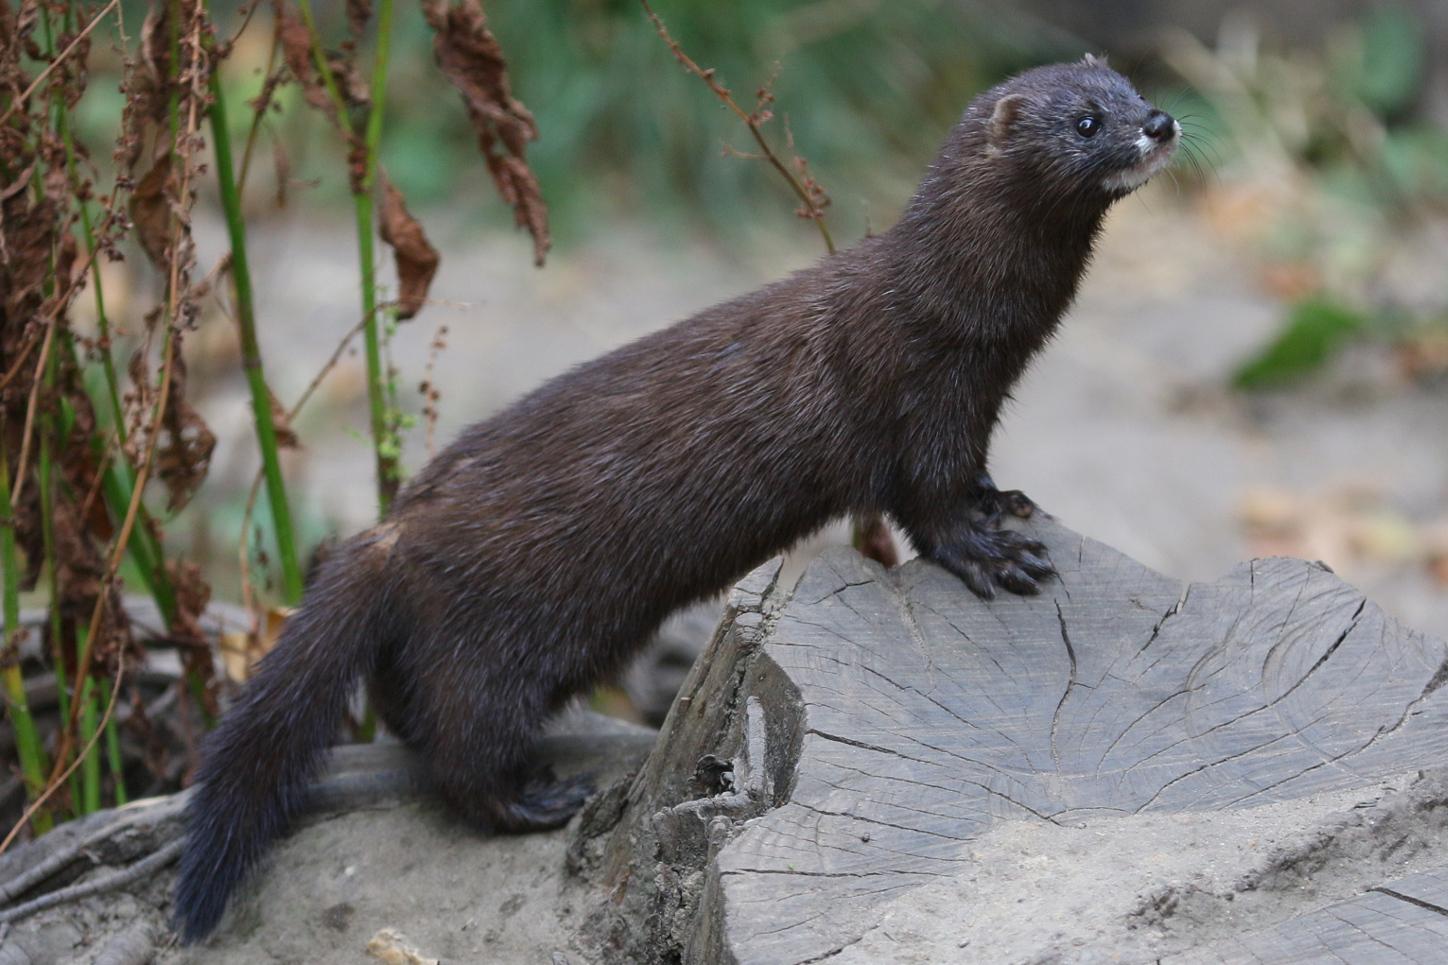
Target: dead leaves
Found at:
417, 259
358, 13
25, 246
296, 43
241, 650
151, 212
471, 58
183, 453
1353, 526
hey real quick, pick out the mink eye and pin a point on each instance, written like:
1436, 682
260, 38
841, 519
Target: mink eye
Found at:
1088, 125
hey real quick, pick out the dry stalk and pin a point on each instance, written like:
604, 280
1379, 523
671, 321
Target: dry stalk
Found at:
812, 197
871, 536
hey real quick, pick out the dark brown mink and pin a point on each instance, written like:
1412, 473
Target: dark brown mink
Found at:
535, 555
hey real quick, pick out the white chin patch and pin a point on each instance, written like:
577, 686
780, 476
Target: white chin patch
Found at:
1154, 157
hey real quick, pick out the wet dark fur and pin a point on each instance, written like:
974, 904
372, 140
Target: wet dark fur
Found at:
533, 557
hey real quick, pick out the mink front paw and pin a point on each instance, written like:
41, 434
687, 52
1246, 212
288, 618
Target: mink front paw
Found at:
994, 503
986, 556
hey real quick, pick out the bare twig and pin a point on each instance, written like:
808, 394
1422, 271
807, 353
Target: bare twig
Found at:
30, 409
430, 393
811, 197
270, 79
20, 361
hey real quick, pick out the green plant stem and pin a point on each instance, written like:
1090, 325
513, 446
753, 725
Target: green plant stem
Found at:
45, 474
117, 483
103, 322
90, 768
372, 342
33, 764
45, 462
117, 763
266, 433
382, 443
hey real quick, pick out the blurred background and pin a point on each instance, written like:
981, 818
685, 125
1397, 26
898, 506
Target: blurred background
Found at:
1257, 364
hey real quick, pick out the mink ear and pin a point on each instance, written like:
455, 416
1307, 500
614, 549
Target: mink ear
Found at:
1003, 118
1091, 60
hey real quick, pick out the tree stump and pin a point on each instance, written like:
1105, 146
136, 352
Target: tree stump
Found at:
877, 766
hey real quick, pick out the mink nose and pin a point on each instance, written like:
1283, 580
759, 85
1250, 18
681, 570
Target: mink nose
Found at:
1159, 126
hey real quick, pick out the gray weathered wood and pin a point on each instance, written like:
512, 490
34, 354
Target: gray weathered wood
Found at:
897, 721
1391, 923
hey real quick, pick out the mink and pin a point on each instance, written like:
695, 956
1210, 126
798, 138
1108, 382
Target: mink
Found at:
530, 559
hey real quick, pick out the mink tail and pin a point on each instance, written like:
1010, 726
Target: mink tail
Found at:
258, 764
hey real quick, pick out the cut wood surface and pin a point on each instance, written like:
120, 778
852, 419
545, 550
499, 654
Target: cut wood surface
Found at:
1124, 764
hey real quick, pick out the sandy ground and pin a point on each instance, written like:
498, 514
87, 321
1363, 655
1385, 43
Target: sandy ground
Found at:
1122, 428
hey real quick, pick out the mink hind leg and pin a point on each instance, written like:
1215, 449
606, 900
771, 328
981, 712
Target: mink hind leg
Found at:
480, 748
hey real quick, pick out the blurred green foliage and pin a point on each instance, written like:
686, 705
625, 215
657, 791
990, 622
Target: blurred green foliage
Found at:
1355, 171
867, 88
1384, 70
1315, 329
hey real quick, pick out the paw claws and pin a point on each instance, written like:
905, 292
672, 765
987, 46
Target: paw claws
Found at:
986, 558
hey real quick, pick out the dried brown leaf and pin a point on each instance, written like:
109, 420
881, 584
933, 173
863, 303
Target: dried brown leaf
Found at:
183, 454
354, 87
80, 568
296, 43
25, 249
149, 83
193, 593
417, 259
151, 211
241, 650
282, 170
156, 41
471, 58
358, 13
286, 435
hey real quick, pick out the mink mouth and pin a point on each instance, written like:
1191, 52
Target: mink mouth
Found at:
1154, 157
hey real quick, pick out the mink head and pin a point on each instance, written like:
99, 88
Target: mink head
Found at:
1079, 129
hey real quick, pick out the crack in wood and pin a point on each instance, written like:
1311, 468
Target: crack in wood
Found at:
1070, 683
1211, 764
1428, 906
885, 824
